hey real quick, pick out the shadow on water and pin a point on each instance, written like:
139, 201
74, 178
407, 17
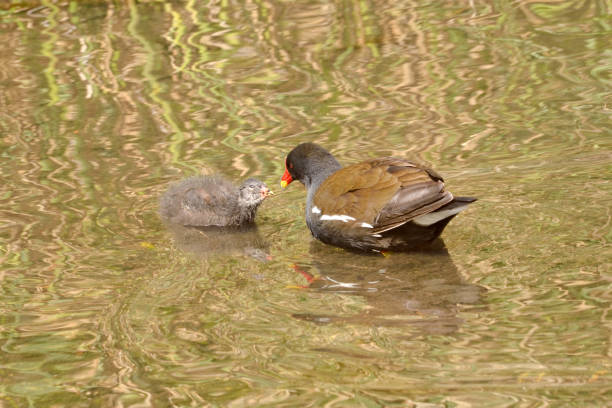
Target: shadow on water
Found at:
207, 242
422, 289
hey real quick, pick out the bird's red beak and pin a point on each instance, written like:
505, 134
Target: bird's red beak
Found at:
286, 179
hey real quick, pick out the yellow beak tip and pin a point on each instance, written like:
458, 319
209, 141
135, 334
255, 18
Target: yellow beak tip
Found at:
283, 184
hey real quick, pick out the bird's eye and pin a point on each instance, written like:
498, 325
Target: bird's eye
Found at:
290, 165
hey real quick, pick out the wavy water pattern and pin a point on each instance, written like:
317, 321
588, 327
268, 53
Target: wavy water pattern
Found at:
105, 103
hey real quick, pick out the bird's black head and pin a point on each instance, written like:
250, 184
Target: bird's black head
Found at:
306, 162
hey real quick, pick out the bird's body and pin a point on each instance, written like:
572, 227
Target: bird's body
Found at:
204, 201
380, 204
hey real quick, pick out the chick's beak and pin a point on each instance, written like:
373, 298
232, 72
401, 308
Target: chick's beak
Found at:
265, 192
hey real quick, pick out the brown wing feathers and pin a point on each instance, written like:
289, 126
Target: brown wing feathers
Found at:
421, 191
360, 191
385, 192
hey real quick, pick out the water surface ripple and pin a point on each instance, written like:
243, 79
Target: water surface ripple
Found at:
105, 103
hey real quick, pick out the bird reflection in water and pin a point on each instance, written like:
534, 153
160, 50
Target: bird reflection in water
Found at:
206, 242
422, 289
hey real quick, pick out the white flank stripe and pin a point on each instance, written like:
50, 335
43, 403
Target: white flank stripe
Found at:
343, 218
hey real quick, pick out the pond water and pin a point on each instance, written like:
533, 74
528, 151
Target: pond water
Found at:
105, 103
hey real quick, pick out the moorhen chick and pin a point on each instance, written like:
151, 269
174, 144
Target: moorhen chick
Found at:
212, 201
379, 204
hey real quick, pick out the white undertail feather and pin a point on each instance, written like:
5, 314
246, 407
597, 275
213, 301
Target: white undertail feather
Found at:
426, 220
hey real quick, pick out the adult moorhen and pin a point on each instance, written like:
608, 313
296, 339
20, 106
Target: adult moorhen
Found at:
212, 201
379, 204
